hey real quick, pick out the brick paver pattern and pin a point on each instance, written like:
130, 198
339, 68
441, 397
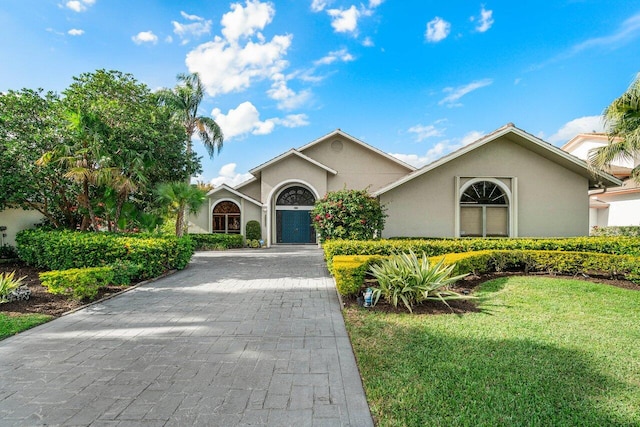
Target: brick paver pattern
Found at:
245, 337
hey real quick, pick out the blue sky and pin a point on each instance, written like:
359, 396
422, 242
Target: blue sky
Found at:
416, 79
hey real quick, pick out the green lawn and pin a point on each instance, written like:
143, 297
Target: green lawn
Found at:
11, 325
544, 352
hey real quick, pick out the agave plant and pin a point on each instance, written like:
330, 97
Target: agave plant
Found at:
410, 279
8, 283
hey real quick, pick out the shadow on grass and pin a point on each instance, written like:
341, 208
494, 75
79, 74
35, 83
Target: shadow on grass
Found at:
419, 376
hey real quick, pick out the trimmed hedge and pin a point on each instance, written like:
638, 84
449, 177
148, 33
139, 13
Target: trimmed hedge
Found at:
253, 230
217, 241
617, 230
78, 283
433, 247
62, 250
350, 270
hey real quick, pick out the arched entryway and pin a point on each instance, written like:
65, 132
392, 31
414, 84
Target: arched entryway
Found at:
226, 218
293, 215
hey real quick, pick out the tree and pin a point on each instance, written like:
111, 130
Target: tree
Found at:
348, 214
184, 100
179, 197
102, 145
622, 120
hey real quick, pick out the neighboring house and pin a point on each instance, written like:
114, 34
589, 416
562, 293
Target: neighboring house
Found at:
508, 183
609, 206
14, 220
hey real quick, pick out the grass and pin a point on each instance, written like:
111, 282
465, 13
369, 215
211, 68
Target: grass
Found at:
542, 352
12, 324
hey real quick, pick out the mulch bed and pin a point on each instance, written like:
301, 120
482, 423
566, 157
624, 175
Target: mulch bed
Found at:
41, 301
469, 283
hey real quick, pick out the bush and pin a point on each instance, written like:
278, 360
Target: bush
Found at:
62, 250
349, 270
412, 280
253, 230
8, 252
433, 247
217, 241
348, 214
627, 231
8, 284
253, 243
125, 272
78, 283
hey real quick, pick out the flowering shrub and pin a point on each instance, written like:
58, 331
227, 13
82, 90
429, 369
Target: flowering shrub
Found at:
348, 214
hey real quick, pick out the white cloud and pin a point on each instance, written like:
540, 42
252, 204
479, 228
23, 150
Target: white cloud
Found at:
287, 98
456, 93
437, 29
367, 42
75, 32
375, 3
423, 132
79, 5
246, 21
345, 20
226, 65
196, 28
439, 150
629, 30
586, 124
485, 21
246, 119
228, 175
319, 5
342, 55
145, 37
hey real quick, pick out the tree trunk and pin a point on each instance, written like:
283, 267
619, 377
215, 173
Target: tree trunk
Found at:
180, 221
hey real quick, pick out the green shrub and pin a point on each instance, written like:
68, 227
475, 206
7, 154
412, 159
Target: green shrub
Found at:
348, 214
78, 283
253, 230
62, 250
8, 284
125, 272
7, 252
411, 280
253, 243
627, 231
216, 241
432, 247
349, 270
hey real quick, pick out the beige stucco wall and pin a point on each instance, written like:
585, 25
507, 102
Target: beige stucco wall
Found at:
292, 168
358, 167
550, 199
252, 189
17, 220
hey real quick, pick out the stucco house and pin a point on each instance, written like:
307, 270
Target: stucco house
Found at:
508, 183
613, 206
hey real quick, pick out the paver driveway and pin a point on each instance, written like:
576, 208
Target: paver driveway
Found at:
251, 337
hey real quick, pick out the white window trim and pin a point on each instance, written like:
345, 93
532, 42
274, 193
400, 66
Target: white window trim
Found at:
512, 207
240, 206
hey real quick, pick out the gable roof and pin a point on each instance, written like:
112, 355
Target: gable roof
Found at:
236, 192
533, 143
292, 152
345, 135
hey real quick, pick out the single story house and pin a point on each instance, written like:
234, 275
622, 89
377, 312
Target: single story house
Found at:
508, 183
614, 206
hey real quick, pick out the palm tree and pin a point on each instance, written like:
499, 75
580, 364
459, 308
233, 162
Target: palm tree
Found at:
178, 197
622, 120
184, 101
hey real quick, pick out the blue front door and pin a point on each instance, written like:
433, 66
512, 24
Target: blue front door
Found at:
295, 227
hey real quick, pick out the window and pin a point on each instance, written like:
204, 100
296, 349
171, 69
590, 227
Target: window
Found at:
484, 211
226, 218
296, 196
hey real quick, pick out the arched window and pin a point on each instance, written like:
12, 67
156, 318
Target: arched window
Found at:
226, 218
296, 196
484, 210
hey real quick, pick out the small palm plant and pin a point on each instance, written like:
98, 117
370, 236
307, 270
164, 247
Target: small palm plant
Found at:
8, 284
411, 279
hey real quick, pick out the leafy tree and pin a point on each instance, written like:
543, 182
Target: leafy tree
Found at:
32, 123
348, 214
179, 197
184, 101
622, 119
